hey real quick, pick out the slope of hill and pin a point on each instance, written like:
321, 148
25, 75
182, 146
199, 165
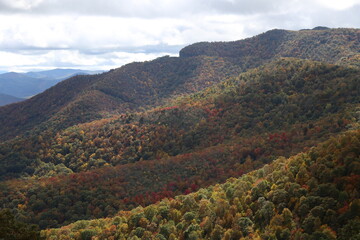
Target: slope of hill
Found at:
84, 98
139, 85
313, 195
224, 131
7, 99
19, 117
327, 45
275, 96
173, 125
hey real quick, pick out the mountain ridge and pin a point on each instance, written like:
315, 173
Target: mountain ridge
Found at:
60, 73
6, 99
123, 140
278, 109
279, 40
239, 56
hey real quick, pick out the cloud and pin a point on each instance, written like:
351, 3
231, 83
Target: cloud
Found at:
119, 8
90, 33
338, 5
44, 60
160, 8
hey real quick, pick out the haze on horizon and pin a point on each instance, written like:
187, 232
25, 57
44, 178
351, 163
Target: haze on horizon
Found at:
105, 34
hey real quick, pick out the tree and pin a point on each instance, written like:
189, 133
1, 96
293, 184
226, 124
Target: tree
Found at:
11, 229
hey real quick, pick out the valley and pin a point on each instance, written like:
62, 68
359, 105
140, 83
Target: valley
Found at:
252, 139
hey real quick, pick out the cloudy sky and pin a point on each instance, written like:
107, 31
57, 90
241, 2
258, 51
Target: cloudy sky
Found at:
104, 34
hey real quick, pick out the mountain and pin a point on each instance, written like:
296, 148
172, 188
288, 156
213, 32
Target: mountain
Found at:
24, 85
328, 45
142, 85
60, 73
7, 99
312, 195
224, 131
196, 127
85, 98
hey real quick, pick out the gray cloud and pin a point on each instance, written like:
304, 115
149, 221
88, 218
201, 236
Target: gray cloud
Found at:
108, 33
245, 7
159, 48
120, 8
144, 9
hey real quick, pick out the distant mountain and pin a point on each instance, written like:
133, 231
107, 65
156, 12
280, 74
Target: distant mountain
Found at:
60, 74
141, 85
24, 85
7, 99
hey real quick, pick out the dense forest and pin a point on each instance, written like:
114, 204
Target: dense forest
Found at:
313, 195
240, 139
326, 45
204, 139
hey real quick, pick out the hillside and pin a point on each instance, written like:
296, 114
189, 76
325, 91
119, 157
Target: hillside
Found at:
272, 97
20, 117
144, 85
84, 98
98, 146
313, 195
223, 131
7, 99
326, 45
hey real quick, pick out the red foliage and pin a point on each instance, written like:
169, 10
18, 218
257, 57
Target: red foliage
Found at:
344, 209
166, 108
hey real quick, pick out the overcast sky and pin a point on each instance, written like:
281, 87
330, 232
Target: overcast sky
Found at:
105, 34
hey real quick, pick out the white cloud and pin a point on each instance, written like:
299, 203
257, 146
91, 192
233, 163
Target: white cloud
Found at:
21, 4
98, 33
338, 4
19, 62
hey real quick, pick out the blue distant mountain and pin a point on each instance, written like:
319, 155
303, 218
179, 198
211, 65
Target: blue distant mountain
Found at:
25, 85
60, 73
7, 99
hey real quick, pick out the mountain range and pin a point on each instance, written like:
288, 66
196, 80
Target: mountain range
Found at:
252, 139
143, 85
26, 85
7, 99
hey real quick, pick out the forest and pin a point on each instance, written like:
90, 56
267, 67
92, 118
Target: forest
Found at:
230, 140
312, 195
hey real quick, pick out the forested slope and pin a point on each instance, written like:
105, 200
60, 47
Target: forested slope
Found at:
313, 195
224, 131
144, 85
326, 45
92, 146
129, 88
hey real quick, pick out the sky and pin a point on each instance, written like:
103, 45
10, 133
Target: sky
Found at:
106, 34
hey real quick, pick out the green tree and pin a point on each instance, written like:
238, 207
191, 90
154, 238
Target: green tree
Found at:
11, 229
